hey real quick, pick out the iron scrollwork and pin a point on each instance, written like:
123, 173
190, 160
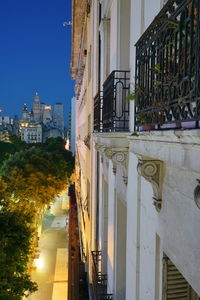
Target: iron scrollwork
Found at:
168, 69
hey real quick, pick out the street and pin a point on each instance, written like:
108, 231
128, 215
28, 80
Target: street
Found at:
51, 273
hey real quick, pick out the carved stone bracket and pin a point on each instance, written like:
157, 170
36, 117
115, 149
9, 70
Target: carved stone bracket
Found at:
151, 170
100, 148
118, 157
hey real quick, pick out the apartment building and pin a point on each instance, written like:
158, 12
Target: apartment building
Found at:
136, 65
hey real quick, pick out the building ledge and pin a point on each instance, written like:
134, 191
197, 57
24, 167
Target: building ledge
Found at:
177, 147
112, 139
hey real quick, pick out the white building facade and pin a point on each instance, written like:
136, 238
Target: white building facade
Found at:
30, 133
138, 181
42, 122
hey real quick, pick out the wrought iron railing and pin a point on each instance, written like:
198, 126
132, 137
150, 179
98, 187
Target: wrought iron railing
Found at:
98, 104
115, 111
99, 280
167, 90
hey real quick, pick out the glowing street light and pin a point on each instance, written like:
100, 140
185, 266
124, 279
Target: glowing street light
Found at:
39, 263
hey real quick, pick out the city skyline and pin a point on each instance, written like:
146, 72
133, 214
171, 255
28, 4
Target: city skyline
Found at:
35, 56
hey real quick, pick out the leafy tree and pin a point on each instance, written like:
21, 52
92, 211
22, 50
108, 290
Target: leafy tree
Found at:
30, 177
33, 176
15, 239
62, 158
19, 144
6, 149
56, 146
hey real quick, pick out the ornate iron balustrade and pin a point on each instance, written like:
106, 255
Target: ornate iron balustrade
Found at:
99, 279
98, 104
167, 89
115, 110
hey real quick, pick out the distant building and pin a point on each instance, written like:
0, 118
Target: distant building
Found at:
30, 132
58, 115
42, 122
47, 114
72, 121
4, 135
8, 127
37, 109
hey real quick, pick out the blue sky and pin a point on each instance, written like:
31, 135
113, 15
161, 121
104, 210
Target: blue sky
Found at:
35, 53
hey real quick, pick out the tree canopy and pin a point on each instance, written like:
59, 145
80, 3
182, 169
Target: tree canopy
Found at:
30, 178
35, 175
15, 239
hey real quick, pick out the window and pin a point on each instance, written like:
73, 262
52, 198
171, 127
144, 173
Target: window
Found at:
175, 285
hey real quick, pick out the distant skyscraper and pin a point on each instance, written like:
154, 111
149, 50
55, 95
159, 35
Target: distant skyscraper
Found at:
58, 115
37, 112
42, 122
25, 113
47, 114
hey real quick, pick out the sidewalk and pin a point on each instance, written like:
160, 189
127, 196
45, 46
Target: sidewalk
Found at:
51, 273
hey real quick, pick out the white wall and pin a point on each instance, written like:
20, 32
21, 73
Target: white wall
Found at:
120, 249
73, 123
133, 221
179, 222
148, 226
111, 229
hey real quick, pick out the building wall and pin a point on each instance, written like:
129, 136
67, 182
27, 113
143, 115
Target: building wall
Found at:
123, 222
73, 120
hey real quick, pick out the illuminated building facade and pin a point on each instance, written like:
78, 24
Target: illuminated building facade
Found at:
30, 133
136, 66
42, 122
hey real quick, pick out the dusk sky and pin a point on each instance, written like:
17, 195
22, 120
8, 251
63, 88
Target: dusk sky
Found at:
35, 53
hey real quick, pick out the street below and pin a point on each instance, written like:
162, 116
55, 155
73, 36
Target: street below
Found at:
51, 273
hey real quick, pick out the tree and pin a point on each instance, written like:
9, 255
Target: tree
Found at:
15, 239
56, 146
32, 176
6, 149
29, 179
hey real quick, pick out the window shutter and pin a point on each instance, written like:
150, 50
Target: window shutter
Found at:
175, 287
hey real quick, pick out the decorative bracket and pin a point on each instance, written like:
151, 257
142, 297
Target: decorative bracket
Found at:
151, 170
118, 156
100, 148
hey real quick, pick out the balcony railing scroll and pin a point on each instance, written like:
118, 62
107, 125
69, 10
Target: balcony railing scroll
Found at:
167, 90
99, 279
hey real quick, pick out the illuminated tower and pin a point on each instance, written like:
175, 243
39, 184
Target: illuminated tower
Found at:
37, 109
25, 113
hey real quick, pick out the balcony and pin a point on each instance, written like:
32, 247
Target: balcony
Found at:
111, 109
99, 280
167, 89
98, 104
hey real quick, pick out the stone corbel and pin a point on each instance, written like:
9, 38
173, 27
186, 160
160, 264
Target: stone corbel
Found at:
100, 148
152, 171
118, 157
121, 158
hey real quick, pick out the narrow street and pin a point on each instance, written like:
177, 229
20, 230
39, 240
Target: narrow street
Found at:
51, 273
